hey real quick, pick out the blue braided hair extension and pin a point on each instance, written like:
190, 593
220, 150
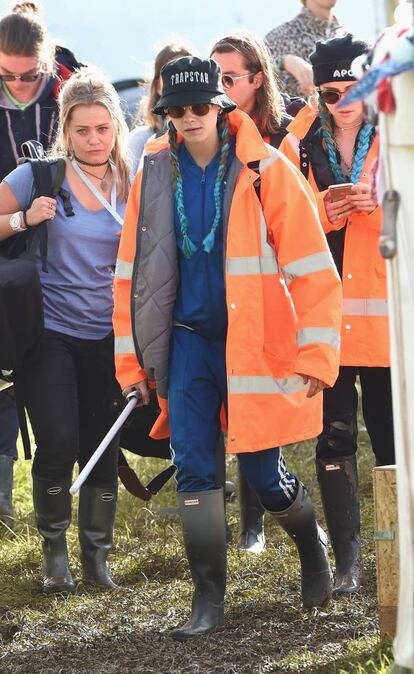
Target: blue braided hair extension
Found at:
364, 142
365, 137
223, 131
188, 246
328, 142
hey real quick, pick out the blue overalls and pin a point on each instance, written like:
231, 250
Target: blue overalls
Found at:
197, 365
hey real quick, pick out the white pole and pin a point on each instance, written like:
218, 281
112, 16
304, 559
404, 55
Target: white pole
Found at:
397, 156
104, 444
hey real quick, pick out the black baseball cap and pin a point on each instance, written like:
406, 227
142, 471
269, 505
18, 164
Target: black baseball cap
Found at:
190, 80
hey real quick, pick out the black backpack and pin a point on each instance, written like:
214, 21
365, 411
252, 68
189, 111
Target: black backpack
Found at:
21, 301
21, 304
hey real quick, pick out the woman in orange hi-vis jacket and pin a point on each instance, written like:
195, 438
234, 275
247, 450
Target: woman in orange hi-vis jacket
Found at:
227, 296
336, 145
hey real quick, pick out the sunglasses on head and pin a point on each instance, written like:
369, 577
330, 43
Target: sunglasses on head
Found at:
332, 96
230, 80
23, 78
177, 111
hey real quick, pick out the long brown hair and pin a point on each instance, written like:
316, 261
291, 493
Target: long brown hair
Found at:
269, 102
23, 33
168, 53
89, 87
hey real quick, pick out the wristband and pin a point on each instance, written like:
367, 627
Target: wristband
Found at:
25, 219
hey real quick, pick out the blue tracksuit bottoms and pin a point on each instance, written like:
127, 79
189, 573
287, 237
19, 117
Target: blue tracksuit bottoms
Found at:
197, 389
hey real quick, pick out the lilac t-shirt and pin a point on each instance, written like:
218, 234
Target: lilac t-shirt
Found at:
82, 250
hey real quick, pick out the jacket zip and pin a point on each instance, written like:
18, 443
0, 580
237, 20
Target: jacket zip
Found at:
137, 258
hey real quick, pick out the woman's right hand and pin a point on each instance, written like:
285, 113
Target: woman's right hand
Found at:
337, 210
42, 208
142, 390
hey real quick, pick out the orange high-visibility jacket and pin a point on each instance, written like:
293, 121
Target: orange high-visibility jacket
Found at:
365, 328
282, 290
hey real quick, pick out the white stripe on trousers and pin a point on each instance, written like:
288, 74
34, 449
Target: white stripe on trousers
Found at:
287, 484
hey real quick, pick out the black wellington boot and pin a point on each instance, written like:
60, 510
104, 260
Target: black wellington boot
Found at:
338, 482
6, 493
202, 515
97, 507
52, 506
299, 521
252, 538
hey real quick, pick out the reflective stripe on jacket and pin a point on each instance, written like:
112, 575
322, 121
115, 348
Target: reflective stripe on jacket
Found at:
284, 309
365, 328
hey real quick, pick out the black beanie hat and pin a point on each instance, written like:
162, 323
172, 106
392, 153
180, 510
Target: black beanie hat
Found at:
331, 61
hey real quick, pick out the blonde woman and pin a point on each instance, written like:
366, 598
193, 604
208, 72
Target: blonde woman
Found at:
71, 367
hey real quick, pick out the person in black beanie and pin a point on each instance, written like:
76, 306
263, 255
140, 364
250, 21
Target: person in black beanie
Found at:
335, 145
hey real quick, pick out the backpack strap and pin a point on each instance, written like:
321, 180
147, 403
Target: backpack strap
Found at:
47, 178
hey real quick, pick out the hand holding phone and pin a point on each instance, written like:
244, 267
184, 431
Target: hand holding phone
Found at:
340, 191
338, 204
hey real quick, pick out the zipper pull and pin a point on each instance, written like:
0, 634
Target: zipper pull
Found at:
203, 177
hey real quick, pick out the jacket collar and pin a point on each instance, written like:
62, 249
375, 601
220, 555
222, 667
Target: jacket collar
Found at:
303, 121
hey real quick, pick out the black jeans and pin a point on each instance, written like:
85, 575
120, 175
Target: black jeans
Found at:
67, 385
9, 425
340, 404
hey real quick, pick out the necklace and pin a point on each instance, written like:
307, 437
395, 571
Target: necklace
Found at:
104, 185
87, 163
345, 128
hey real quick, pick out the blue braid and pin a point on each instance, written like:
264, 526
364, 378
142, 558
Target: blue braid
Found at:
364, 142
326, 130
363, 145
188, 246
209, 241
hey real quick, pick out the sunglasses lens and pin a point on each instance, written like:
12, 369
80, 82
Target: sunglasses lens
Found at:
176, 111
200, 109
22, 78
228, 81
330, 97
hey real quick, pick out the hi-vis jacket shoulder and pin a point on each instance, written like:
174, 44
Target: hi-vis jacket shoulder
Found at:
282, 290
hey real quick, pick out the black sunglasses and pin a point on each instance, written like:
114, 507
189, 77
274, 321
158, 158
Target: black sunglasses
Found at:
331, 96
177, 111
22, 78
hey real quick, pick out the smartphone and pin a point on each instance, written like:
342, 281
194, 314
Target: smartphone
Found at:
338, 192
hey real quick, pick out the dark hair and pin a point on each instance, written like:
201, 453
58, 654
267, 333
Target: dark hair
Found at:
23, 33
256, 55
145, 115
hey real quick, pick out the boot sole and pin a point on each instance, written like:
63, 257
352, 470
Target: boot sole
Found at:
188, 636
59, 590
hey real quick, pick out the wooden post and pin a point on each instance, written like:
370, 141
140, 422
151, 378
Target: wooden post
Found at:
387, 551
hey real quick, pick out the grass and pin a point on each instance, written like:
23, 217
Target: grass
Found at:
124, 632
